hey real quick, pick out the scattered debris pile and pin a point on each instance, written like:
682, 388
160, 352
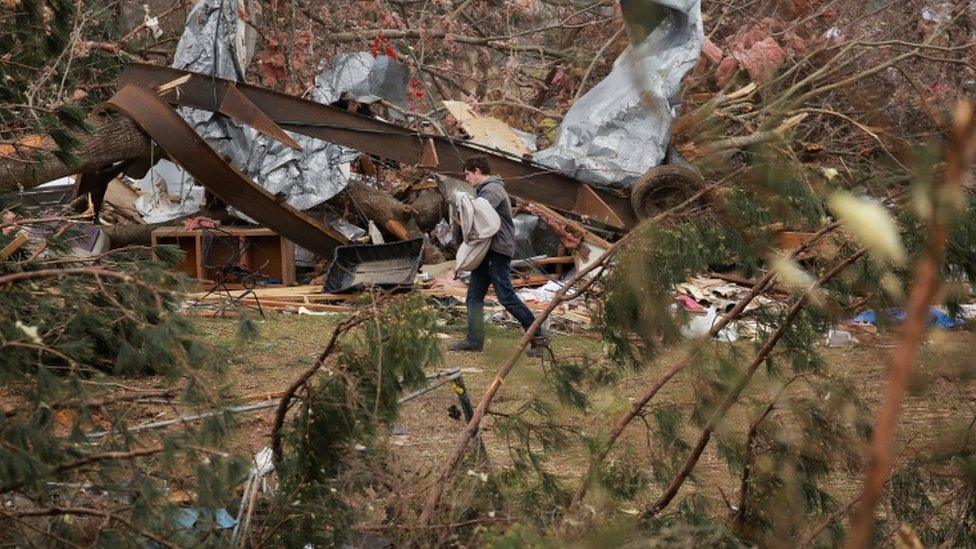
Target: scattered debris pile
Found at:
343, 187
349, 200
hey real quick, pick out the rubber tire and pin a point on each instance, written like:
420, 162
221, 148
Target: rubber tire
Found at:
663, 187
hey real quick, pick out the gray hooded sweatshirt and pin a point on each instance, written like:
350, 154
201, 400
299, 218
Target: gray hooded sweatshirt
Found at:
493, 190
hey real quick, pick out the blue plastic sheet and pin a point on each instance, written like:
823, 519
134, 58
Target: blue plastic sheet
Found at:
937, 318
187, 517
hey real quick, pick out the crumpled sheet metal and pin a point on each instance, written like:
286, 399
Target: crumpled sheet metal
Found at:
526, 180
533, 236
162, 123
304, 178
621, 128
363, 78
165, 179
195, 50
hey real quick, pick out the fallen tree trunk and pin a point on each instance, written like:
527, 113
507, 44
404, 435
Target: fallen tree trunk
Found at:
429, 207
112, 138
389, 214
138, 234
128, 234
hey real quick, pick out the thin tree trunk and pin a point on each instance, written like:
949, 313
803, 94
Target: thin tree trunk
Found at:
928, 279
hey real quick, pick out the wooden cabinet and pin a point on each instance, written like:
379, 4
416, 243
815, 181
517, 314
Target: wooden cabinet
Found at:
258, 248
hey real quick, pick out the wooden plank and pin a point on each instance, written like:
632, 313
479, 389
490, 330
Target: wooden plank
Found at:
269, 294
587, 235
279, 305
15, 244
561, 260
522, 282
313, 291
287, 262
198, 243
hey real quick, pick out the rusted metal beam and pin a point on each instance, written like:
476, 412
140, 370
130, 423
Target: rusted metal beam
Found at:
165, 126
524, 179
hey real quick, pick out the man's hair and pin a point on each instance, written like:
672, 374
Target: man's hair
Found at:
478, 162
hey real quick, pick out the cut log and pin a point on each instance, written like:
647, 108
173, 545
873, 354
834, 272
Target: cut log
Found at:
429, 205
395, 218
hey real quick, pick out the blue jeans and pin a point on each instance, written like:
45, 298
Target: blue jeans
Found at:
494, 269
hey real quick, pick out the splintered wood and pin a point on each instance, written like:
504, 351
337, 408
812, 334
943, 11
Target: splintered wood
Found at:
311, 300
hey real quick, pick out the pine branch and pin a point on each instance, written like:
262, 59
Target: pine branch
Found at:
733, 396
90, 459
86, 271
740, 514
84, 511
621, 423
360, 317
101, 403
815, 532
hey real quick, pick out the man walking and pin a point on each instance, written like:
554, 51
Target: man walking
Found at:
495, 267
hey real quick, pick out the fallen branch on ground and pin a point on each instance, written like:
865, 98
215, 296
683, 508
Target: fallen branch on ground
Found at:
89, 459
84, 511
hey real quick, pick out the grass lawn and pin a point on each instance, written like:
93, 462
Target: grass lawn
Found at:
943, 400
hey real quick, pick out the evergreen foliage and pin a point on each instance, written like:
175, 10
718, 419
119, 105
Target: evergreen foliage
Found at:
69, 325
806, 424
334, 443
48, 67
64, 336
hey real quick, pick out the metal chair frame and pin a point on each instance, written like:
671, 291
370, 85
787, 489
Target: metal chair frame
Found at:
229, 270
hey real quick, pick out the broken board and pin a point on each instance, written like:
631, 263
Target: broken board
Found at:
487, 130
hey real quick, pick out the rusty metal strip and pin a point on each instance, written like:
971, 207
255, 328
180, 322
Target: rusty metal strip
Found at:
96, 183
524, 179
238, 107
165, 126
587, 200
